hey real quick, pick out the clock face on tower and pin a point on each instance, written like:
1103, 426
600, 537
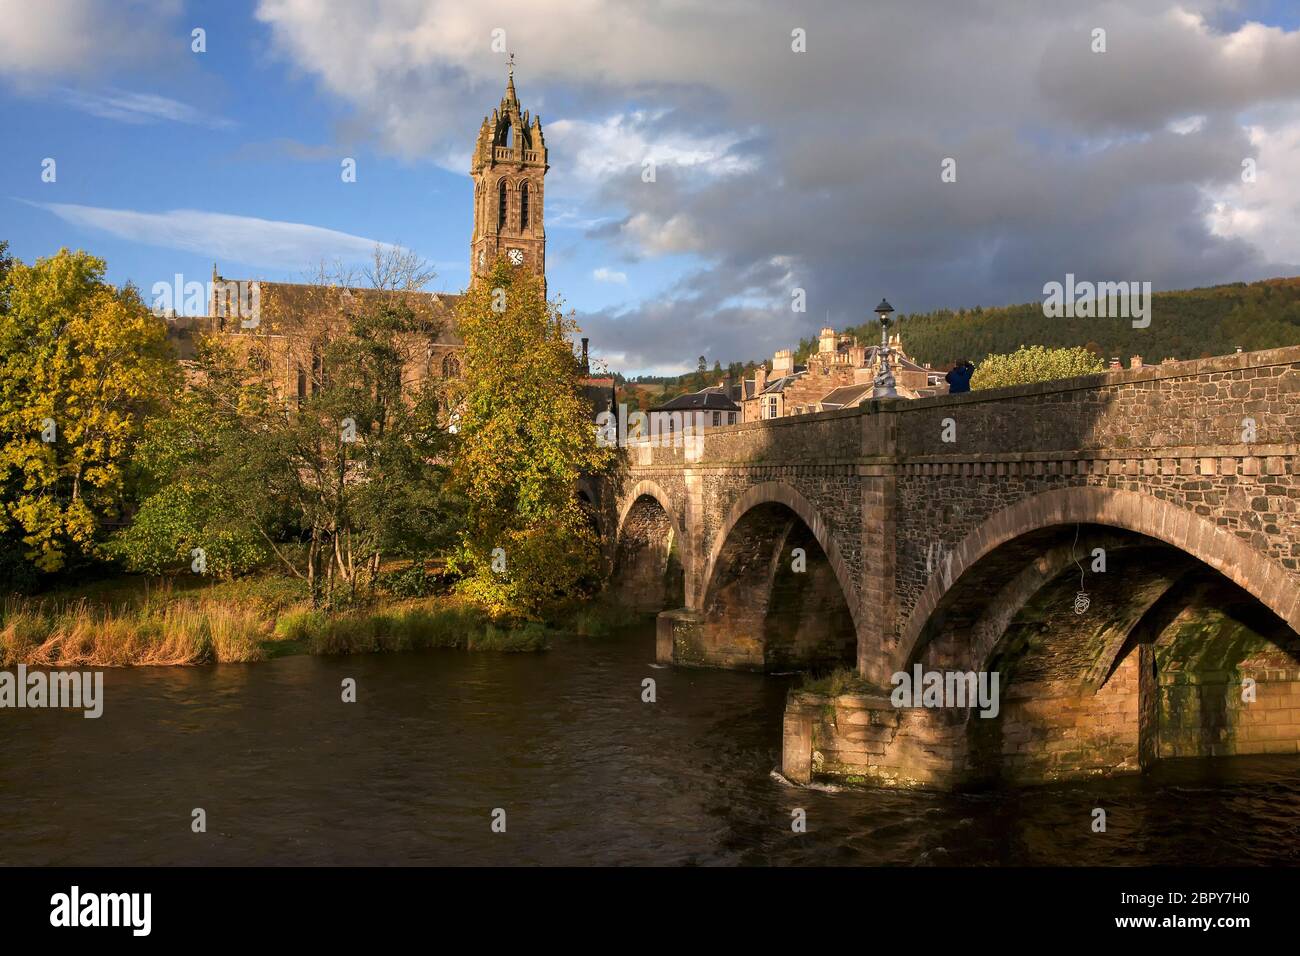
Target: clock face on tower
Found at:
516, 257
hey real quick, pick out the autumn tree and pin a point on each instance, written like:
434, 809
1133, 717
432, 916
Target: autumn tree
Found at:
525, 434
82, 366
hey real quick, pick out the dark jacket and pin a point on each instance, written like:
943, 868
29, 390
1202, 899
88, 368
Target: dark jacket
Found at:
959, 378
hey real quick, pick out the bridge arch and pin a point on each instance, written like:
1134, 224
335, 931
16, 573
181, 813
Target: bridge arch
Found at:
1140, 514
761, 611
647, 514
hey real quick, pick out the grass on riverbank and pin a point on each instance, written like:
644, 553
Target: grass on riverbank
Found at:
52, 634
132, 621
409, 626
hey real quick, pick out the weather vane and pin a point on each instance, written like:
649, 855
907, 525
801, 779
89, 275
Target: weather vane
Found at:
511, 61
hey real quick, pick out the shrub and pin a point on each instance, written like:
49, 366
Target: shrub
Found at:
1035, 364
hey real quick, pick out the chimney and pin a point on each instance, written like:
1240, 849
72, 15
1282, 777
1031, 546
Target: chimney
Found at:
760, 378
1135, 362
586, 366
826, 340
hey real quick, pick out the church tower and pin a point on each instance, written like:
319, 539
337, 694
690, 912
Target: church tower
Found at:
508, 168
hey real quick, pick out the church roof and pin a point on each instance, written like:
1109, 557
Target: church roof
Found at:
300, 299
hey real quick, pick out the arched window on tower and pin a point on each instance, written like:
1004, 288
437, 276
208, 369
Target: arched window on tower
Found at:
523, 206
451, 366
501, 205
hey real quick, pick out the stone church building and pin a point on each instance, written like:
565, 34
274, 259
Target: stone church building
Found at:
281, 320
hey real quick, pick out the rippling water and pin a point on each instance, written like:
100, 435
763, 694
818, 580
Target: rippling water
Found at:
585, 771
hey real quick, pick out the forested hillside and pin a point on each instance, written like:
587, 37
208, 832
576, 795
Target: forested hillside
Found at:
1193, 323
1184, 325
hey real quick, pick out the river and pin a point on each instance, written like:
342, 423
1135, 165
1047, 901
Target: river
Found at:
586, 772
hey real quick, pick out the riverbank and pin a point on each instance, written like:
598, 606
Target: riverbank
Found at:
136, 621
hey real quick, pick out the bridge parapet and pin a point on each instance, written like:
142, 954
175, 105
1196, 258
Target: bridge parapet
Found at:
1206, 403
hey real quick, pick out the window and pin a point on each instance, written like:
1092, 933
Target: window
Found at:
717, 419
523, 206
770, 410
302, 383
731, 418
451, 366
501, 205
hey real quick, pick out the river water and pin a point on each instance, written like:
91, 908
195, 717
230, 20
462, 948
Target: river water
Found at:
586, 772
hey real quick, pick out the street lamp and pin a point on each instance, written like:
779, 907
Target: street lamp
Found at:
884, 384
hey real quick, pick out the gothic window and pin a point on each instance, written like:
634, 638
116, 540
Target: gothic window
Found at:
523, 207
501, 205
451, 366
302, 384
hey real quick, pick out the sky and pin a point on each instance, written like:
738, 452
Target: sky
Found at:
798, 149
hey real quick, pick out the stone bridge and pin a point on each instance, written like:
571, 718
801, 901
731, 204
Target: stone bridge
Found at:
1121, 549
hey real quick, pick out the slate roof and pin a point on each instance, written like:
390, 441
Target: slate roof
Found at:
846, 396
713, 399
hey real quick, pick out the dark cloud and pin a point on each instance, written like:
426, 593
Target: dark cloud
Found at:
828, 173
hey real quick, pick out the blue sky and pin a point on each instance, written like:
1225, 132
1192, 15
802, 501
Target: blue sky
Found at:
777, 170
261, 142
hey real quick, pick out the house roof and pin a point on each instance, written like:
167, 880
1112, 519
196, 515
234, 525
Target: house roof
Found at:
714, 398
780, 384
846, 396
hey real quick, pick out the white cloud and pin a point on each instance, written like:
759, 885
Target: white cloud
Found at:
1265, 212
44, 38
604, 274
599, 150
127, 107
1187, 125
677, 233
560, 218
244, 239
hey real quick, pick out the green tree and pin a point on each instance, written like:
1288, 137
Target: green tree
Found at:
352, 470
1034, 364
525, 435
82, 366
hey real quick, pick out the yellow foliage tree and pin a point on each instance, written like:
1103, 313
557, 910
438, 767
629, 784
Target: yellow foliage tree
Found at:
81, 365
524, 435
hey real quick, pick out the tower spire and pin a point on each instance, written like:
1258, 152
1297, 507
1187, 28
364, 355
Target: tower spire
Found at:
509, 167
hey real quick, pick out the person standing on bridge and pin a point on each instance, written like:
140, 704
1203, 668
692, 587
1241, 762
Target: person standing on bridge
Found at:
958, 378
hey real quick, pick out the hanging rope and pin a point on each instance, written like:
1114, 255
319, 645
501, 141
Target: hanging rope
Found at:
1081, 600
